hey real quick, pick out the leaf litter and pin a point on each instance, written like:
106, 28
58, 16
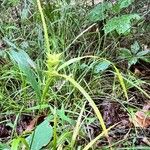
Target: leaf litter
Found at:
142, 117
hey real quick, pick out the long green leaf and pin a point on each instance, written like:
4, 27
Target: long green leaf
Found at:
77, 127
121, 81
73, 60
97, 138
87, 96
44, 26
25, 63
135, 85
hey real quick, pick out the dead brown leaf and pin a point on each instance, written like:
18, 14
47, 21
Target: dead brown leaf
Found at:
31, 126
141, 119
34, 122
137, 72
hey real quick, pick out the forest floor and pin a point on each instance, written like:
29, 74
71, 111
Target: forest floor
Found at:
118, 82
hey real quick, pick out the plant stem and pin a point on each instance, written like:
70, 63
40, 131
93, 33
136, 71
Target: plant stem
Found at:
47, 45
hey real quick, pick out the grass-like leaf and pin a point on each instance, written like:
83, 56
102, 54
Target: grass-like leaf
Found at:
77, 127
73, 60
121, 81
90, 144
87, 96
47, 45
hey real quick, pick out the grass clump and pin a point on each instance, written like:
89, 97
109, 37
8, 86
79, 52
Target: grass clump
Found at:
63, 82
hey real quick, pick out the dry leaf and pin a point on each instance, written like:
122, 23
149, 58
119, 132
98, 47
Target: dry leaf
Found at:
30, 127
137, 72
141, 119
34, 122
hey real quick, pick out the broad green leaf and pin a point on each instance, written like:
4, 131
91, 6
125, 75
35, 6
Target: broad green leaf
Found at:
116, 8
132, 61
125, 53
120, 4
121, 24
4, 146
25, 63
98, 12
146, 59
135, 47
143, 53
41, 136
124, 3
101, 66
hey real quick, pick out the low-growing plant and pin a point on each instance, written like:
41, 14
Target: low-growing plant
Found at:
58, 127
110, 14
134, 54
26, 66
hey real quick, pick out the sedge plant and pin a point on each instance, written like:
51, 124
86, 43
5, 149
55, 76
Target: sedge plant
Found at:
55, 70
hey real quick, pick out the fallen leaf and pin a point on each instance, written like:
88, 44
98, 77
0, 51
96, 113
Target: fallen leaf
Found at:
141, 119
31, 126
34, 122
137, 72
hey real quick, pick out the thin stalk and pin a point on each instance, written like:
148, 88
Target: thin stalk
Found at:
77, 127
46, 89
55, 131
91, 102
47, 45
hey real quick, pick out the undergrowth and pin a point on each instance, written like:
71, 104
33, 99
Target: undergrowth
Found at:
73, 74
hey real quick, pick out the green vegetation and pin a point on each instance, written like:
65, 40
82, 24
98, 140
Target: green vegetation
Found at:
73, 75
